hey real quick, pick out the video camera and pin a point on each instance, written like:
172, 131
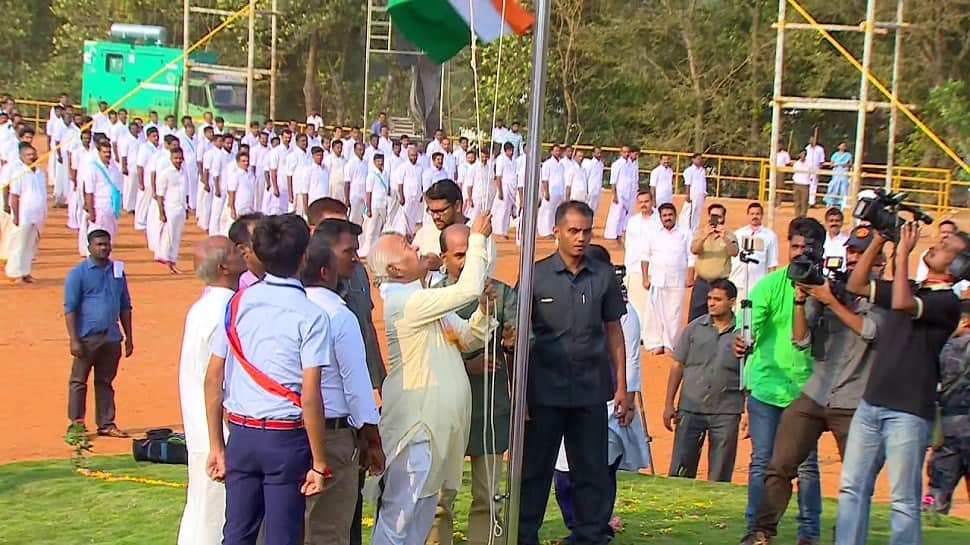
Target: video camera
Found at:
810, 268
882, 212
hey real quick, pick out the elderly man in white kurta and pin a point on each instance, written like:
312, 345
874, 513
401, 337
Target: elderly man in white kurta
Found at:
662, 182
552, 188
28, 209
170, 198
665, 256
639, 228
102, 196
426, 396
619, 181
219, 263
695, 178
505, 184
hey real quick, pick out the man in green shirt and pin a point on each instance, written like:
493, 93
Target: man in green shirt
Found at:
774, 375
489, 379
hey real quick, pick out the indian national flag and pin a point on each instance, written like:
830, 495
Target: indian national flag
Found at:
442, 28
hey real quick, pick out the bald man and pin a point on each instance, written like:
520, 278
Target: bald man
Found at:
218, 263
427, 400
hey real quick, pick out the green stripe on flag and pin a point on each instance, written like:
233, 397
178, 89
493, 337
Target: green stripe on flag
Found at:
432, 25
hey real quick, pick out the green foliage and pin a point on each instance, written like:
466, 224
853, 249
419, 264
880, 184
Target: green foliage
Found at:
77, 438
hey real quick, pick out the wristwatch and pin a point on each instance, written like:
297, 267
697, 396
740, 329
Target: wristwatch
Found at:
800, 303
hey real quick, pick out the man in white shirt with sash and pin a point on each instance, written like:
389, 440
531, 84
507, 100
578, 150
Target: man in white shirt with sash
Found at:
218, 263
102, 195
28, 210
426, 396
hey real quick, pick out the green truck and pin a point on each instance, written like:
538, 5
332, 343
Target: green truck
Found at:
112, 69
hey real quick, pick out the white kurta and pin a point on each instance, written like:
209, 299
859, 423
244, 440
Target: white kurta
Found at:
576, 189
355, 172
337, 166
143, 198
667, 252
170, 186
504, 205
594, 181
153, 225
638, 230
623, 181
662, 182
695, 178
427, 389
222, 166
205, 502
552, 172
815, 156
31, 189
411, 178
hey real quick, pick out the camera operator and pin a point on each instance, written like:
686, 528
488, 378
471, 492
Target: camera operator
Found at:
712, 249
774, 375
840, 329
893, 419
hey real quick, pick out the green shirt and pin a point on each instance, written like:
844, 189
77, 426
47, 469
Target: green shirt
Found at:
776, 370
480, 442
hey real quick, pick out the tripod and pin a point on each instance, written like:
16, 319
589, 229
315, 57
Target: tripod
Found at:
745, 256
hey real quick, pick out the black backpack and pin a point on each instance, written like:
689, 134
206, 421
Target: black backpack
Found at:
161, 446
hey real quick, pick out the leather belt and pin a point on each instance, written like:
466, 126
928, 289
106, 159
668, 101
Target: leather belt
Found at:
337, 423
265, 423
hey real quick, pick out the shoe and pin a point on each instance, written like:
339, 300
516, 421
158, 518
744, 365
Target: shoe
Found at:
756, 538
113, 431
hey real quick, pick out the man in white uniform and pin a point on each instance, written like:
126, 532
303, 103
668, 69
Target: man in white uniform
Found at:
78, 158
190, 165
355, 176
505, 184
552, 187
835, 239
639, 229
755, 242
426, 397
593, 166
274, 198
662, 181
295, 159
815, 154
336, 165
171, 201
576, 189
56, 131
28, 210
378, 194
218, 263
153, 227
410, 193
241, 192
258, 159
218, 160
99, 121
625, 181
665, 279
143, 198
695, 178
102, 196
482, 187
128, 148
431, 175
210, 164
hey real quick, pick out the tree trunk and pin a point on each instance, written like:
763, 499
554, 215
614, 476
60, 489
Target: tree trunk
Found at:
687, 33
310, 91
754, 122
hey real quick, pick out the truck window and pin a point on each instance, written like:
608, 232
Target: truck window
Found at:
114, 63
197, 96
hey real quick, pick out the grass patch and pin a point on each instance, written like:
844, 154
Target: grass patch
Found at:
47, 503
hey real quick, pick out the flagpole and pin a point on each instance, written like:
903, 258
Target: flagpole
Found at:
527, 222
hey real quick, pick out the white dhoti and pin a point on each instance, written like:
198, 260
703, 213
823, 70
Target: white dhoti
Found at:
373, 228
405, 518
57, 174
129, 193
203, 200
693, 209
153, 225
337, 191
413, 212
21, 249
616, 220
142, 204
191, 183
501, 215
357, 209
593, 200
812, 189
259, 192
638, 297
73, 206
662, 318
170, 235
273, 205
547, 214
6, 233
205, 506
215, 214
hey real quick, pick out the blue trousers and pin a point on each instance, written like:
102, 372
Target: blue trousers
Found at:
264, 471
567, 506
877, 436
763, 421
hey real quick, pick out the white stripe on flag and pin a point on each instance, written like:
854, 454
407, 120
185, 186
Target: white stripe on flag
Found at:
488, 21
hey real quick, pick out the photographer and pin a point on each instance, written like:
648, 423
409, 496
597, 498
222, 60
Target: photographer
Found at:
774, 374
712, 248
892, 421
840, 329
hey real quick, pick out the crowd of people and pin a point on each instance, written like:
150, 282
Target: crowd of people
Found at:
281, 367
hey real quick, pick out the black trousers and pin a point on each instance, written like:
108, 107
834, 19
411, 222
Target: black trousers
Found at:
102, 356
585, 432
698, 299
722, 433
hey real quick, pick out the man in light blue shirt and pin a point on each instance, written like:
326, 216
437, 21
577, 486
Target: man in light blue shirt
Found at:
269, 356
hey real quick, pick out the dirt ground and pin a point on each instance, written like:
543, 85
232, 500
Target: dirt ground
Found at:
34, 346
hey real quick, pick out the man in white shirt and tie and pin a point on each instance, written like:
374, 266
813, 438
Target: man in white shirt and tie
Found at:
665, 278
695, 178
552, 187
662, 181
756, 243
351, 413
218, 263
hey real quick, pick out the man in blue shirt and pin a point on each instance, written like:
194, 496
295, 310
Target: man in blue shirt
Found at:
96, 299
